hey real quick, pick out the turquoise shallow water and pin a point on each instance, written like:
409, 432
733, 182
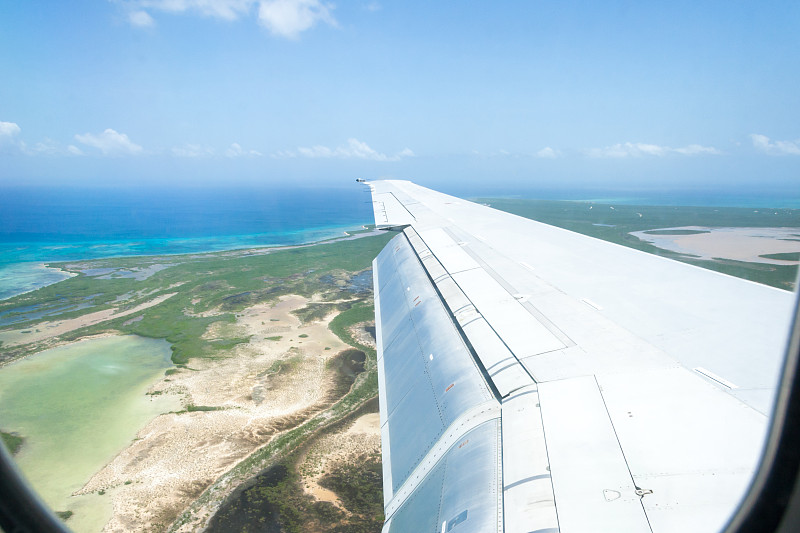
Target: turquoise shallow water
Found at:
77, 406
47, 225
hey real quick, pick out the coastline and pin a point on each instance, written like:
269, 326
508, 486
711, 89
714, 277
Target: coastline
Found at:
40, 335
278, 343
48, 255
35, 275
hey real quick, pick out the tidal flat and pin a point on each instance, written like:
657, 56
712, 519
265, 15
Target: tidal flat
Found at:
76, 406
264, 349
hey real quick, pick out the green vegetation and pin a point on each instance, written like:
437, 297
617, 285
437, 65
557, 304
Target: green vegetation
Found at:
278, 454
318, 311
789, 256
12, 441
614, 223
204, 290
676, 232
192, 408
207, 289
275, 500
357, 484
285, 365
64, 515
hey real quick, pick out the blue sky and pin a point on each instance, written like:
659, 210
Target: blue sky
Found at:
528, 94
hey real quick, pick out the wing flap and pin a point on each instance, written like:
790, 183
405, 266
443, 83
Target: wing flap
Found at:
594, 489
528, 499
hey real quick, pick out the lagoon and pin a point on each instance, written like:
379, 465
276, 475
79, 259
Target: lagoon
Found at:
77, 406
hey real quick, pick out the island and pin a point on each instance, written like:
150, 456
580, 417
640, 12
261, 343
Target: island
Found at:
272, 386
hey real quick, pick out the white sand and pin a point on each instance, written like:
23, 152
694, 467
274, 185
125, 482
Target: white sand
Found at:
177, 456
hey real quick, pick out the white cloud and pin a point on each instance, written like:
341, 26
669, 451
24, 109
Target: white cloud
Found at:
548, 153
141, 19
110, 142
224, 9
628, 149
192, 150
354, 149
45, 147
237, 151
48, 147
316, 151
694, 149
763, 143
283, 18
8, 130
288, 18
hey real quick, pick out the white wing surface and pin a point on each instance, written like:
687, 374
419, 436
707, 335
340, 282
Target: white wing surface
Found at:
533, 379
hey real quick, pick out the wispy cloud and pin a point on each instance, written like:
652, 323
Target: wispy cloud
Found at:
236, 150
548, 153
223, 9
283, 18
628, 149
141, 19
47, 147
288, 18
764, 144
110, 142
192, 150
696, 149
354, 149
9, 142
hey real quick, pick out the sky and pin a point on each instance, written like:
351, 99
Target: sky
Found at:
533, 94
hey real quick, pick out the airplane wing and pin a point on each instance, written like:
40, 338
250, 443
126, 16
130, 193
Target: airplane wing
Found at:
533, 379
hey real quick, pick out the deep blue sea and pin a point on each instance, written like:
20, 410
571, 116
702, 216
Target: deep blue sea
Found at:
39, 225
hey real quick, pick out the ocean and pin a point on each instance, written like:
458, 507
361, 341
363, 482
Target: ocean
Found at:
41, 225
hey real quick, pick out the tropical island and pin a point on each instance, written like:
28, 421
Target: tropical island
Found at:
258, 403
271, 366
